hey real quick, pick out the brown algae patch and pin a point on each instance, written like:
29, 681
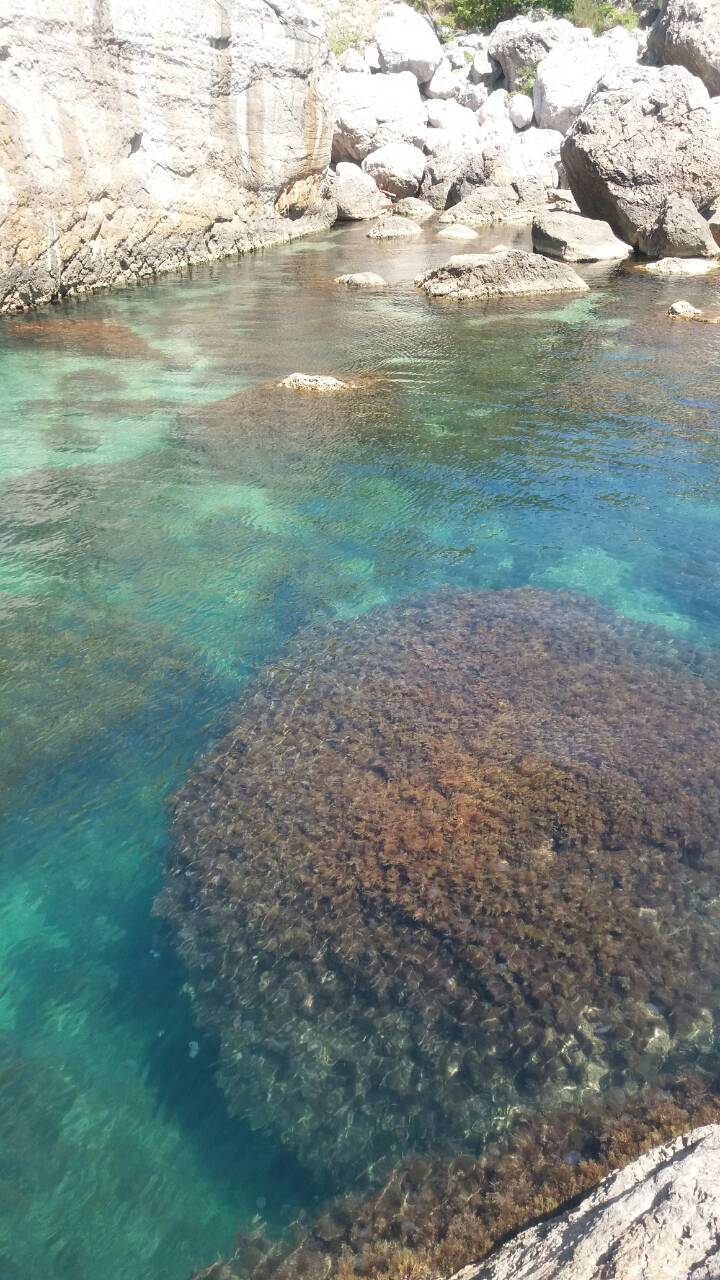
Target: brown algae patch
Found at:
456, 860
100, 338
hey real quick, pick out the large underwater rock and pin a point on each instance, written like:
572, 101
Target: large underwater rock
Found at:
138, 137
657, 1219
455, 857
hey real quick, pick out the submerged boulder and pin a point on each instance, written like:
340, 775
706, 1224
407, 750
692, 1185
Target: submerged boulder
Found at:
645, 134
572, 238
456, 857
512, 274
687, 32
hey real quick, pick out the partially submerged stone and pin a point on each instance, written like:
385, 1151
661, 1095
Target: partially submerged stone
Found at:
572, 238
413, 207
681, 266
680, 231
312, 382
456, 231
395, 229
686, 311
362, 280
480, 276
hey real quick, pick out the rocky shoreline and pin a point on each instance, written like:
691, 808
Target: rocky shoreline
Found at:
189, 138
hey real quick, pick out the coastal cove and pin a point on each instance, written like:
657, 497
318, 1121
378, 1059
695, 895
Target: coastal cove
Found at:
169, 520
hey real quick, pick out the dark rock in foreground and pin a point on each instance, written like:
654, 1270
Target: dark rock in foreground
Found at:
455, 857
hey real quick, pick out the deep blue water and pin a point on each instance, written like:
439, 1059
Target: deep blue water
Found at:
165, 524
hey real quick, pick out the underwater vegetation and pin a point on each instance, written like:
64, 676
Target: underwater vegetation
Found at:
457, 859
431, 1217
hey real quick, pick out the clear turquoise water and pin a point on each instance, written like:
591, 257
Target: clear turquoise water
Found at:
157, 545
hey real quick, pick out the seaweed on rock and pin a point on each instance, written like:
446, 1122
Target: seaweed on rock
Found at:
456, 859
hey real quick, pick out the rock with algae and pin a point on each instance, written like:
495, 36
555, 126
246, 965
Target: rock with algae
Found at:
456, 857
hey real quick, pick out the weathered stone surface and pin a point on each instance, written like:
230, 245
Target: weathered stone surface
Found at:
489, 204
572, 238
456, 231
411, 207
138, 137
353, 61
520, 110
407, 42
657, 1219
446, 81
564, 82
512, 274
684, 309
681, 266
375, 110
519, 44
687, 32
680, 232
396, 168
394, 229
357, 194
645, 134
362, 280
314, 382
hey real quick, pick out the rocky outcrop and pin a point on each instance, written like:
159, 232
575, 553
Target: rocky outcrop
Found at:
645, 134
396, 168
564, 82
374, 111
138, 137
572, 238
687, 32
406, 41
519, 44
510, 274
680, 232
657, 1219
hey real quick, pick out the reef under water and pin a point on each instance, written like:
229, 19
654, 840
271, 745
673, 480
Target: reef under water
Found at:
456, 863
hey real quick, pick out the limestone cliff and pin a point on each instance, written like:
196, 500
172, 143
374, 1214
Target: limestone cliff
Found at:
138, 136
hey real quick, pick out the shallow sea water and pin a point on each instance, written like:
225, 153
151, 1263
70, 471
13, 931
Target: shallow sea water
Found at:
166, 523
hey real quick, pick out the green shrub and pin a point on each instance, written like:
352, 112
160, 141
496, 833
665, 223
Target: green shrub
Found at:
485, 14
601, 15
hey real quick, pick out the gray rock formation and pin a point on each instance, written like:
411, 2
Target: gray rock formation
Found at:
687, 32
679, 232
357, 194
657, 1219
572, 238
645, 134
362, 280
394, 229
519, 44
375, 110
396, 168
564, 82
509, 274
139, 137
490, 203
407, 42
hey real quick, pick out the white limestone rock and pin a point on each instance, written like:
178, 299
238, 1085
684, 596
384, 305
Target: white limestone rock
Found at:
352, 61
520, 110
572, 238
140, 137
564, 83
411, 207
681, 266
407, 42
397, 168
680, 231
395, 229
315, 382
656, 1219
373, 111
687, 32
519, 44
457, 231
362, 280
357, 194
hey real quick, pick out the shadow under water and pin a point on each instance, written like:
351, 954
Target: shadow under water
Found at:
456, 862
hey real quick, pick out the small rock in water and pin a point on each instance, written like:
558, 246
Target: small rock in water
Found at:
394, 229
412, 207
312, 382
362, 280
681, 266
456, 231
685, 309
193, 1049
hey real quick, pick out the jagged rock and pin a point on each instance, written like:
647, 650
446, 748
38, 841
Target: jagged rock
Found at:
362, 280
456, 231
645, 134
687, 32
519, 44
681, 266
563, 83
312, 382
373, 111
572, 238
657, 1218
472, 96
406, 42
680, 232
142, 137
411, 207
520, 110
394, 229
357, 194
512, 274
352, 61
396, 168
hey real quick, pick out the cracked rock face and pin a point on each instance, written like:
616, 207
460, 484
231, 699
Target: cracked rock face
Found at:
657, 1219
687, 32
138, 136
